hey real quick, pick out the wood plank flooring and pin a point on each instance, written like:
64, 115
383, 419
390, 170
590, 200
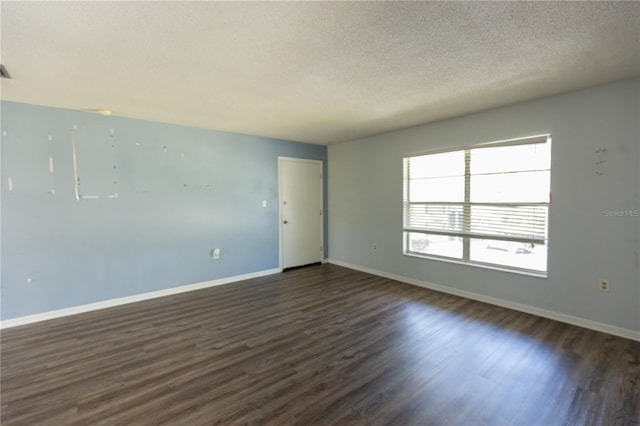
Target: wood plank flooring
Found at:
318, 345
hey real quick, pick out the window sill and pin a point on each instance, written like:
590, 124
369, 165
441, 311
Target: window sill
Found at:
534, 274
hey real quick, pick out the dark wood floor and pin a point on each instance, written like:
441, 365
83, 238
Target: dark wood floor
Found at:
318, 345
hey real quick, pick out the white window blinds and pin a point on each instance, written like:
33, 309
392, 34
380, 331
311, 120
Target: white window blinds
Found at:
496, 191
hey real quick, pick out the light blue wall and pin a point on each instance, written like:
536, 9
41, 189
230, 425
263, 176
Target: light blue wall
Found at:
365, 202
181, 192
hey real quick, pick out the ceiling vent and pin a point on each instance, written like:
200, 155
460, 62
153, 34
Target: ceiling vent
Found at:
3, 72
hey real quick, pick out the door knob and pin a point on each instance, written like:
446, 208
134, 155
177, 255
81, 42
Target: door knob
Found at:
285, 222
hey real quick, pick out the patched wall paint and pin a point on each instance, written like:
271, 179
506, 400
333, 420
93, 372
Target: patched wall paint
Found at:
155, 200
586, 242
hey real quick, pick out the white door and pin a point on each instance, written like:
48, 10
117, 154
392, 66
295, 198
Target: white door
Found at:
300, 212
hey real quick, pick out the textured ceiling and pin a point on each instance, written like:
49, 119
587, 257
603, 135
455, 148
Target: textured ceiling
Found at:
318, 72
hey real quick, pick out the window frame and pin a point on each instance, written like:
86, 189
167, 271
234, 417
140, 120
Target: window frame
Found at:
466, 237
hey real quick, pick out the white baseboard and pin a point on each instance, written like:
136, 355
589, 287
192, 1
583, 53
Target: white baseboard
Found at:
14, 322
569, 319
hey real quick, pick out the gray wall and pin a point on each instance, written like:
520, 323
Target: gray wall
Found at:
365, 202
181, 192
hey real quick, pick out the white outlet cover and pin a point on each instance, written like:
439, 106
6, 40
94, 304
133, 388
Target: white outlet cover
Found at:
604, 285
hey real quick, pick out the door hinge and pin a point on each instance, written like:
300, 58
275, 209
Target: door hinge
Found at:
320, 248
320, 212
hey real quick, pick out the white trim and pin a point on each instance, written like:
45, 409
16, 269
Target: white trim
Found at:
29, 319
527, 140
557, 316
475, 264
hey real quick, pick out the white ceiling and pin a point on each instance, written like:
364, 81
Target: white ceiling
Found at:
317, 72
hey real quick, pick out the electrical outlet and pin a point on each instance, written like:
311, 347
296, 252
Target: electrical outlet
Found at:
215, 253
604, 285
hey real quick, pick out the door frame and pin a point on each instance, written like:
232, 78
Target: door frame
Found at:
280, 218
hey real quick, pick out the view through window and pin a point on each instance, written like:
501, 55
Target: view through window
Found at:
487, 204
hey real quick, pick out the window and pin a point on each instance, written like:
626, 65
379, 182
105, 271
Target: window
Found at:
484, 205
